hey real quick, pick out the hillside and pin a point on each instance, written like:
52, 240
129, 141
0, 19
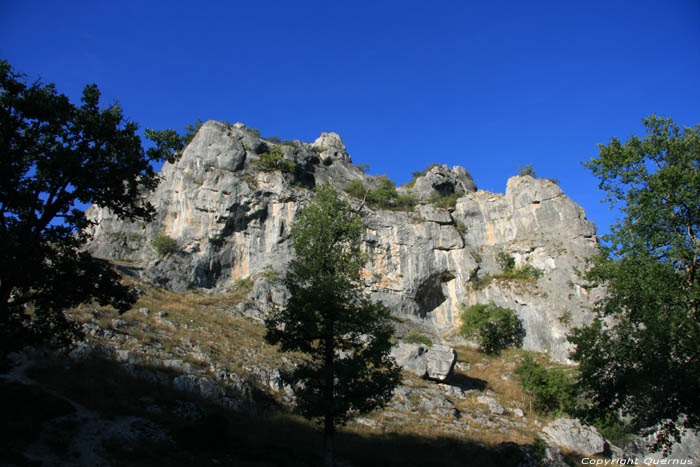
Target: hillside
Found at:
228, 202
185, 377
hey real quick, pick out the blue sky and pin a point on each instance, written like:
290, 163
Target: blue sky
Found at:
485, 85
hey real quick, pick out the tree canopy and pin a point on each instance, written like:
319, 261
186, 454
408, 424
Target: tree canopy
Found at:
641, 355
55, 155
327, 317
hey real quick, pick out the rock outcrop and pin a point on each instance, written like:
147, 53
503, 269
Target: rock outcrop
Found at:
231, 222
433, 362
571, 435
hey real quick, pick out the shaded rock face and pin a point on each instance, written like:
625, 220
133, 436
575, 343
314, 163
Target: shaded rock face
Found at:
232, 222
641, 448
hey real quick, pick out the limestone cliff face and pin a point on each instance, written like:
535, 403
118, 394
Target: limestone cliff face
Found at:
231, 221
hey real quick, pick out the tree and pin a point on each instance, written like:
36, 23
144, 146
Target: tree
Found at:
54, 156
641, 356
495, 328
346, 337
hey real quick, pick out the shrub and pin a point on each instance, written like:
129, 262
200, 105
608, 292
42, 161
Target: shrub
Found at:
273, 139
505, 261
526, 272
414, 337
415, 174
356, 189
444, 201
553, 391
527, 170
493, 327
164, 245
273, 160
384, 196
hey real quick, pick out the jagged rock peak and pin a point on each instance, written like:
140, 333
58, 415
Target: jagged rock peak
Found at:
439, 179
331, 147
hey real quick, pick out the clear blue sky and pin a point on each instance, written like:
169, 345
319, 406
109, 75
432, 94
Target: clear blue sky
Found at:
486, 85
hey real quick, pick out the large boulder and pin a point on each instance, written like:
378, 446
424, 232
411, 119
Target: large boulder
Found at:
641, 448
570, 434
433, 362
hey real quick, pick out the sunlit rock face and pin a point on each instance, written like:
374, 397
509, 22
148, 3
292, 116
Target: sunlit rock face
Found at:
231, 221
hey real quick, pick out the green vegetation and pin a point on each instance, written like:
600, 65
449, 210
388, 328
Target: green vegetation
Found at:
382, 197
415, 174
555, 392
190, 131
527, 170
54, 155
444, 201
274, 160
414, 337
164, 245
346, 337
493, 327
526, 272
552, 390
641, 355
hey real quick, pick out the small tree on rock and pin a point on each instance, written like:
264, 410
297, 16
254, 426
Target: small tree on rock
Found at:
327, 317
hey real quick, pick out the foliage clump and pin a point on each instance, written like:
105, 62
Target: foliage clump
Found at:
444, 201
525, 272
493, 327
274, 160
191, 130
552, 390
164, 245
384, 196
527, 170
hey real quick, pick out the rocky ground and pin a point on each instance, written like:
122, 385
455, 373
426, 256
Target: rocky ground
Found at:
186, 379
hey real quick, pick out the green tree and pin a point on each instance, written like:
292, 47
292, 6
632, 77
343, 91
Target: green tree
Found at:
493, 327
327, 317
641, 356
191, 131
54, 156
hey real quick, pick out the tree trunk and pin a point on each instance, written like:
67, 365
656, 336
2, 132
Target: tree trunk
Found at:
328, 435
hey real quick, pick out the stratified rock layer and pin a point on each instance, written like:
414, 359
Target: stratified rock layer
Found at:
231, 222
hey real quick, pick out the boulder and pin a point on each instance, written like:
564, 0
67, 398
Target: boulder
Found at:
494, 406
641, 448
570, 434
433, 362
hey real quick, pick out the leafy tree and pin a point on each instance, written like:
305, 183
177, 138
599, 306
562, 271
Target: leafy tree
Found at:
346, 337
641, 356
493, 327
54, 156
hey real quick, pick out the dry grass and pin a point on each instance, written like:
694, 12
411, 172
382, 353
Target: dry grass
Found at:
199, 321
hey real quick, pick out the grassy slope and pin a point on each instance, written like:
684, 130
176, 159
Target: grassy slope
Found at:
198, 330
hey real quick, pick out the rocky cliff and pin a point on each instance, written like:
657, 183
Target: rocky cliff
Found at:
231, 219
